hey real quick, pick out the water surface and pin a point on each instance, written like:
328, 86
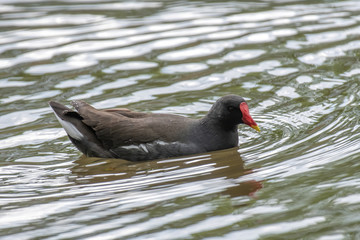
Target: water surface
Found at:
295, 62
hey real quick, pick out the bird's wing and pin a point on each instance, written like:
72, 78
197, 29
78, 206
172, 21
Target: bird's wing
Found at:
121, 127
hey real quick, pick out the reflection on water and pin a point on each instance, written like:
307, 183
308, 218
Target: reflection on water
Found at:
220, 170
296, 62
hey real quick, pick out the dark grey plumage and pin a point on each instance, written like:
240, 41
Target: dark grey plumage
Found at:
136, 136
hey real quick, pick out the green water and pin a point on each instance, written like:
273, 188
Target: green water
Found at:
295, 62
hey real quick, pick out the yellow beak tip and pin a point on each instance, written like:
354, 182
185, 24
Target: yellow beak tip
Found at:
256, 127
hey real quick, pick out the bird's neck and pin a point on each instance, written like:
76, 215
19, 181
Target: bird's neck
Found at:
217, 123
216, 134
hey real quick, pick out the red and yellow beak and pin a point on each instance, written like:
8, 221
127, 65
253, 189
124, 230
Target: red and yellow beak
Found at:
247, 119
256, 127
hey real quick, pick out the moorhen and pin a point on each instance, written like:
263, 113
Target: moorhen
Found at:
136, 136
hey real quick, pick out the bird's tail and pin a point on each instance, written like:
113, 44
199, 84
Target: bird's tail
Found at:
81, 135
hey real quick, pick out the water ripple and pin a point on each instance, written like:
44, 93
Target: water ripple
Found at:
295, 63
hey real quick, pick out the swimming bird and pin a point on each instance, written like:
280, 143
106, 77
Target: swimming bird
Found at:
138, 136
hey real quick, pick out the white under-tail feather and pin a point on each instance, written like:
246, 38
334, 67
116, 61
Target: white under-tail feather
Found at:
70, 129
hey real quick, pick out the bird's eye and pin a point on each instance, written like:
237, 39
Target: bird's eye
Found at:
231, 108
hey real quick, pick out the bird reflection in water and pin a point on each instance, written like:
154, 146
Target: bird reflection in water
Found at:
214, 172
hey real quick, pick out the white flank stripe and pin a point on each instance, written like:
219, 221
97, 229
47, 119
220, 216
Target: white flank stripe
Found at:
143, 147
